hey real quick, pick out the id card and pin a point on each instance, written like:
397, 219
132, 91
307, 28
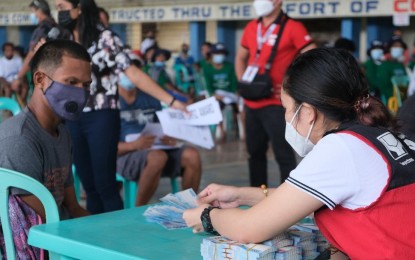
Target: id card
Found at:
250, 73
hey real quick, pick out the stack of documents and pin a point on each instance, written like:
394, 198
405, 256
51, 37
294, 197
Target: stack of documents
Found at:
194, 126
300, 242
169, 212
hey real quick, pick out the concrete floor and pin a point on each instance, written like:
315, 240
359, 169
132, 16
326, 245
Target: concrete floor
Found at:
225, 164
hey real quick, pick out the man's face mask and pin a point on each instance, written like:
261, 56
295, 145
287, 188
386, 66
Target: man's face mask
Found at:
33, 19
397, 52
160, 64
65, 100
301, 145
125, 82
376, 54
218, 58
263, 7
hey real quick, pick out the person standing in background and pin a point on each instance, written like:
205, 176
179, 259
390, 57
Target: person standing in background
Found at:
372, 66
221, 81
184, 66
95, 135
394, 67
46, 27
206, 57
265, 117
104, 17
10, 64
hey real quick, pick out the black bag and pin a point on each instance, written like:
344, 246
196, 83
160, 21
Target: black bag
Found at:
262, 86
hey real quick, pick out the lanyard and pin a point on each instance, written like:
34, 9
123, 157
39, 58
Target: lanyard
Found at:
262, 39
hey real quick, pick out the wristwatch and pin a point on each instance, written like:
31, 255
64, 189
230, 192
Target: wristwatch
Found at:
206, 223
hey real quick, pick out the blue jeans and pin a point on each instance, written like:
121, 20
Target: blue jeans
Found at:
95, 139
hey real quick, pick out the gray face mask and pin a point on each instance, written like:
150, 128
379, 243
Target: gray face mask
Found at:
65, 100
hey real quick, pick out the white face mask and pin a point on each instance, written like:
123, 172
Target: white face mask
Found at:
396, 52
301, 145
218, 58
33, 19
376, 54
263, 7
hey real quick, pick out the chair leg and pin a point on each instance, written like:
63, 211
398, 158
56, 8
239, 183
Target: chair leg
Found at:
133, 193
76, 184
129, 191
174, 185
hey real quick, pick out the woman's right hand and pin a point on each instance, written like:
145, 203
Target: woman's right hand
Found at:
219, 196
179, 106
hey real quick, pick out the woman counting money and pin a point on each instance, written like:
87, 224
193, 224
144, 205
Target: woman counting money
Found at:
358, 174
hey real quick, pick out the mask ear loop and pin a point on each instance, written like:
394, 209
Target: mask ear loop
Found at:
308, 135
295, 114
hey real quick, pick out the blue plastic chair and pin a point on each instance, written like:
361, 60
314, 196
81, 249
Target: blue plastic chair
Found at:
10, 104
76, 183
15, 179
131, 188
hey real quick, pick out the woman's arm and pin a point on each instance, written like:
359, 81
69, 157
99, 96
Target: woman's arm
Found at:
146, 84
273, 215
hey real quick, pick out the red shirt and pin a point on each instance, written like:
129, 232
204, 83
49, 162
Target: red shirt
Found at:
294, 38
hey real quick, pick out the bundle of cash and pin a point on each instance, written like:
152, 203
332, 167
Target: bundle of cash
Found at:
301, 242
221, 248
289, 253
169, 212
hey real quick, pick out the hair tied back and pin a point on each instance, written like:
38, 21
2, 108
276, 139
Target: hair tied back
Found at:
362, 103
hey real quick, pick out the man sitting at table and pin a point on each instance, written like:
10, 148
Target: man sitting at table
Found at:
136, 160
37, 144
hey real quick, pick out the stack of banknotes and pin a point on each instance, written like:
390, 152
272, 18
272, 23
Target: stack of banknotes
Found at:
300, 242
169, 212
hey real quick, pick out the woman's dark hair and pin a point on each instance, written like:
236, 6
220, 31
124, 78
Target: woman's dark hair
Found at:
87, 21
331, 80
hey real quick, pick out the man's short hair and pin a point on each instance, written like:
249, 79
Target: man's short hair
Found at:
7, 44
49, 55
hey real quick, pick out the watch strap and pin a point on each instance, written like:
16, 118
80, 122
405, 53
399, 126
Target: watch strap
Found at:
206, 222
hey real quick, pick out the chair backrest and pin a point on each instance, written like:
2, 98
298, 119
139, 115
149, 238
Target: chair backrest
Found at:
9, 104
15, 179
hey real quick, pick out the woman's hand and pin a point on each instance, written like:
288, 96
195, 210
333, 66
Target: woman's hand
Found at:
39, 44
192, 218
219, 196
179, 105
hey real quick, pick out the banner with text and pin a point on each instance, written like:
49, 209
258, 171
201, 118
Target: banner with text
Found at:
302, 9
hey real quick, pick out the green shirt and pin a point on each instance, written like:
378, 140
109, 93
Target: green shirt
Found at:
387, 70
372, 74
220, 79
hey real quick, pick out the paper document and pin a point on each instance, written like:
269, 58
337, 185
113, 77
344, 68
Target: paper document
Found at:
228, 97
202, 113
153, 129
198, 135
